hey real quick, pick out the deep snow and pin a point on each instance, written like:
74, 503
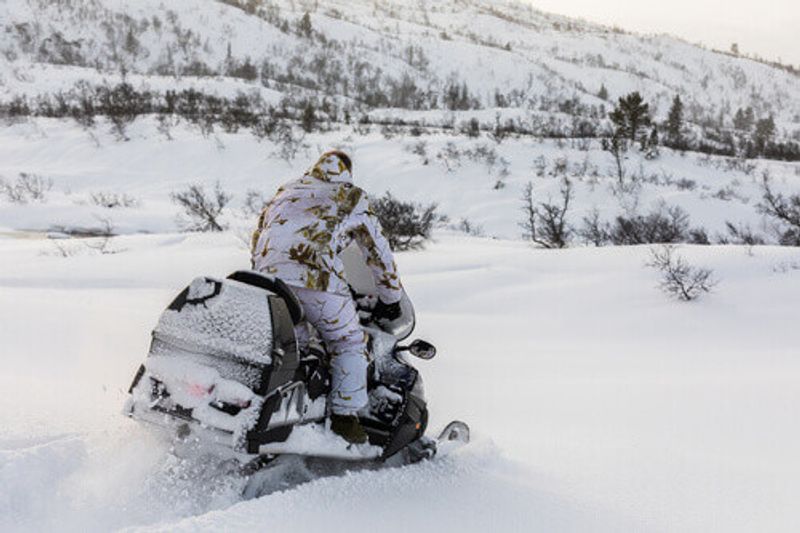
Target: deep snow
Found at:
596, 403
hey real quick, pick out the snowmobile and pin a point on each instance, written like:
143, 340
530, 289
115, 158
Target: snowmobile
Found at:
224, 369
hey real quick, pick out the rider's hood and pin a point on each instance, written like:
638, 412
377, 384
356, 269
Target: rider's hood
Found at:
332, 166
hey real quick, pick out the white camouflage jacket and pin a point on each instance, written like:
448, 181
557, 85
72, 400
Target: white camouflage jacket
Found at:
310, 221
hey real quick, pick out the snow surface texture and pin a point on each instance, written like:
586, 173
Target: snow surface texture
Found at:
596, 403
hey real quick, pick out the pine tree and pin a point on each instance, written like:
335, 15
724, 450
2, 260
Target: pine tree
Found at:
765, 130
630, 116
603, 92
131, 43
743, 120
675, 124
304, 27
309, 117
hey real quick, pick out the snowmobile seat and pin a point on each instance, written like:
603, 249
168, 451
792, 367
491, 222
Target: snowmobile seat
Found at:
275, 285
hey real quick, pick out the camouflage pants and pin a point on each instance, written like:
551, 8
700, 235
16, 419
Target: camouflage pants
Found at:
336, 319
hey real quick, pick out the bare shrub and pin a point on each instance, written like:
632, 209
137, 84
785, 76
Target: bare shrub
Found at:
62, 248
546, 224
450, 156
254, 203
699, 236
678, 278
665, 224
617, 147
740, 234
593, 230
784, 210
470, 228
406, 225
202, 210
102, 243
540, 166
288, 143
113, 200
26, 188
419, 148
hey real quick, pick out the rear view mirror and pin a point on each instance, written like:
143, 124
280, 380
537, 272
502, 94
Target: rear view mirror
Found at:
422, 349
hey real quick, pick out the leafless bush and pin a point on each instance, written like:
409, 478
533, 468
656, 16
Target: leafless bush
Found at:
741, 234
617, 147
419, 148
165, 125
112, 200
450, 156
406, 225
202, 211
593, 230
62, 247
784, 210
699, 236
678, 278
288, 143
540, 166
26, 188
665, 224
254, 203
560, 166
470, 228
102, 243
486, 154
546, 224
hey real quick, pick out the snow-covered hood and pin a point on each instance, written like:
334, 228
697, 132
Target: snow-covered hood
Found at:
331, 166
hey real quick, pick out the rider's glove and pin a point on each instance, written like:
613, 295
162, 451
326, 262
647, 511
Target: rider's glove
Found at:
386, 312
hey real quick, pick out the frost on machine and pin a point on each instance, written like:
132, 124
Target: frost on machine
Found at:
224, 369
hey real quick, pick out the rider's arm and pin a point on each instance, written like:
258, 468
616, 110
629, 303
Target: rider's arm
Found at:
366, 231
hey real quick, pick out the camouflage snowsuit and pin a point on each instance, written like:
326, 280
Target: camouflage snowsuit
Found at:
299, 236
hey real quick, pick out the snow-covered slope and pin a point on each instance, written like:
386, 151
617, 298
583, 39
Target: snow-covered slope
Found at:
533, 60
474, 180
597, 404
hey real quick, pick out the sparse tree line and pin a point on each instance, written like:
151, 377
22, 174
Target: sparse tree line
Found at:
629, 124
747, 137
335, 69
121, 104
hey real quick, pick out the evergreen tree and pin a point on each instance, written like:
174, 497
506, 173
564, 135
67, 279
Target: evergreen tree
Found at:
603, 92
650, 147
743, 120
765, 130
675, 124
630, 116
131, 43
304, 27
309, 117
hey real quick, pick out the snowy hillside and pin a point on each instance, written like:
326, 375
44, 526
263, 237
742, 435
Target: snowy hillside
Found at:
380, 54
598, 405
477, 183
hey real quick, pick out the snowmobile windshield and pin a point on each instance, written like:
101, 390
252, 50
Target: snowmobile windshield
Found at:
402, 326
360, 279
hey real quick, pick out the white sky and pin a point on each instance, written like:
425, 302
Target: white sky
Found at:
769, 28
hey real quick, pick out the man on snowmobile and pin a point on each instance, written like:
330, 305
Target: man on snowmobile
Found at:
299, 237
